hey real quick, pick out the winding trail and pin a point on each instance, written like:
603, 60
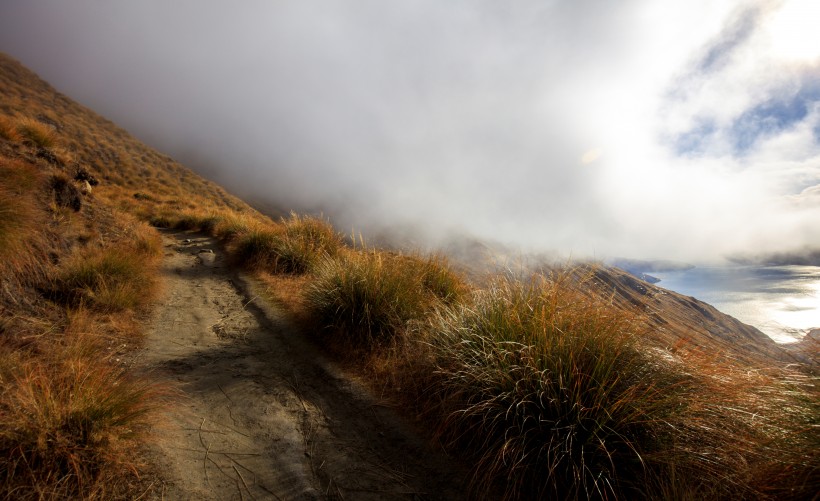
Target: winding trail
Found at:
261, 413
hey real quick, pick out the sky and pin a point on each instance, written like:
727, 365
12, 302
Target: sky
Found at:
591, 128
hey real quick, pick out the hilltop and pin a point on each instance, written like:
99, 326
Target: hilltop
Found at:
579, 382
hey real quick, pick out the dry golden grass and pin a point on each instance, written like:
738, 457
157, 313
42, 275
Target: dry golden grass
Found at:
549, 391
71, 420
23, 247
369, 297
18, 214
69, 423
36, 133
8, 130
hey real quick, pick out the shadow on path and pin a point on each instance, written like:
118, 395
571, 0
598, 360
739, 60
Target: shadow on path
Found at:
263, 414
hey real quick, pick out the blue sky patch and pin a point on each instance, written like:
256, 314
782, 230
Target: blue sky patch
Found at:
694, 141
759, 122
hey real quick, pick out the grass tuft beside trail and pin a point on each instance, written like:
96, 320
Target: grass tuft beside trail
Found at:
112, 279
370, 297
536, 381
295, 246
69, 424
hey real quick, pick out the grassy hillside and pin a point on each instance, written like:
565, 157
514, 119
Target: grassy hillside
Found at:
78, 268
562, 383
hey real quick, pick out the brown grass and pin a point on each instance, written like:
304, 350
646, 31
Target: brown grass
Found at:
8, 130
69, 422
111, 279
23, 259
35, 133
549, 392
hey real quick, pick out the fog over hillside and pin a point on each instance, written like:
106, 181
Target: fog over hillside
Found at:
644, 128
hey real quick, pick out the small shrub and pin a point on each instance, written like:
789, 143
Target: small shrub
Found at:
35, 133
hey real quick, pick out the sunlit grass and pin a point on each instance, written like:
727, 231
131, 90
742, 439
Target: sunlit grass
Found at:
20, 220
370, 297
545, 391
36, 133
112, 279
69, 423
8, 129
550, 394
295, 246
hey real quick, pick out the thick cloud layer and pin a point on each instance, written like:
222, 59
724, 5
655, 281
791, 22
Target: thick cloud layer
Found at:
644, 128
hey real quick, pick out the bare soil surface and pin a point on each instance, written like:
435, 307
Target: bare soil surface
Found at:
261, 413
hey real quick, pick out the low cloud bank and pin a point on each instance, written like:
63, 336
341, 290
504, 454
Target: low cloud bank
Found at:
648, 129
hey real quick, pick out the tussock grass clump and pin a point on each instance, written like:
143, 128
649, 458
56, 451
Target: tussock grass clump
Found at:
749, 432
112, 279
161, 220
197, 221
371, 297
231, 225
17, 205
145, 240
36, 133
549, 393
438, 277
8, 130
256, 249
68, 423
295, 247
312, 234
21, 244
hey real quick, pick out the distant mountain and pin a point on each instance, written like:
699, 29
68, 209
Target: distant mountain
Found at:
682, 320
638, 266
803, 257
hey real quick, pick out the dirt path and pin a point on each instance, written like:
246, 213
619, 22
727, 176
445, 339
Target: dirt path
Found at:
263, 415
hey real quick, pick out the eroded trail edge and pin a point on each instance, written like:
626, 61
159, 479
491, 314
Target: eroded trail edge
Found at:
261, 413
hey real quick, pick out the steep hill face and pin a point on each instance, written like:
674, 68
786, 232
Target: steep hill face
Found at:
123, 165
678, 320
78, 272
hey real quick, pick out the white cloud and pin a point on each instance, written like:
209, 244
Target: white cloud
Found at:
467, 115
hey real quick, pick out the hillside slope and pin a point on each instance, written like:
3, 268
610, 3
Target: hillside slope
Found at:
679, 319
78, 272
